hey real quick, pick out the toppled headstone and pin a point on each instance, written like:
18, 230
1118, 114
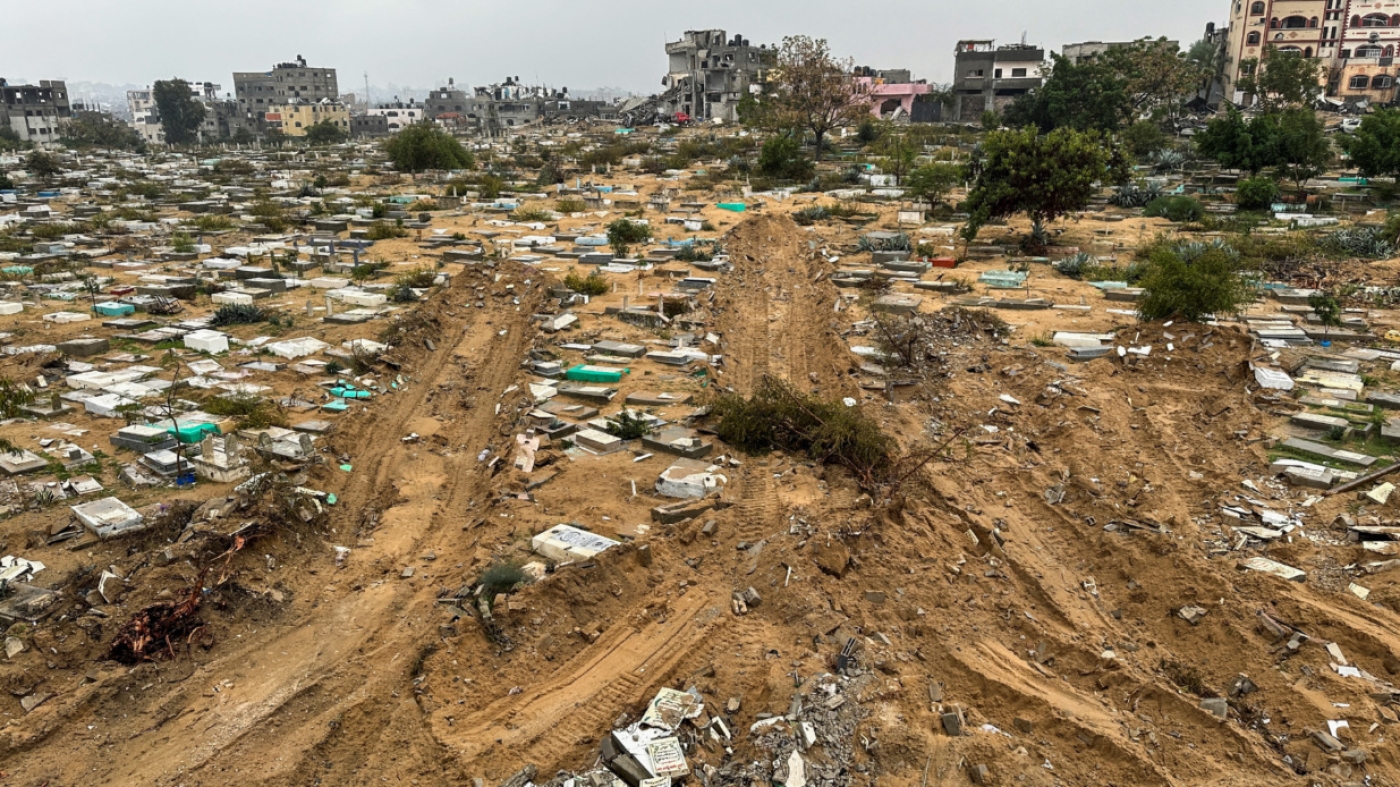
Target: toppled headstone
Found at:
565, 542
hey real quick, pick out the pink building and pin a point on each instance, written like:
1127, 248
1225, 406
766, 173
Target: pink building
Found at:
890, 91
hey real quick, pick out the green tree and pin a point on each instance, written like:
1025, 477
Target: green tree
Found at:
1248, 146
44, 166
932, 182
242, 137
326, 133
1327, 308
1303, 149
812, 91
1091, 95
896, 151
1375, 147
1281, 79
1144, 138
424, 146
1044, 176
622, 233
100, 130
10, 140
180, 112
781, 157
1256, 193
1191, 286
5, 182
1158, 78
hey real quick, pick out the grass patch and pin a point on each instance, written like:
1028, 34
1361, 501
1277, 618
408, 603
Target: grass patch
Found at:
592, 285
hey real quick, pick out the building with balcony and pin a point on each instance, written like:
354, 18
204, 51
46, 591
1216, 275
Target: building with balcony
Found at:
293, 120
1355, 41
987, 77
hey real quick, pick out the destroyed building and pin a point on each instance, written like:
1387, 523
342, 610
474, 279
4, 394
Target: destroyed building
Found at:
987, 77
35, 113
222, 118
708, 73
494, 109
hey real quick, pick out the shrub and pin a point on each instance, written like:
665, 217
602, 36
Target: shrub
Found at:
593, 284
490, 186
899, 242
1256, 194
523, 214
501, 578
826, 430
211, 223
383, 230
1363, 242
627, 426
570, 205
1135, 195
623, 233
781, 157
418, 278
1144, 138
334, 367
1190, 283
237, 314
251, 410
693, 253
182, 244
1178, 209
811, 215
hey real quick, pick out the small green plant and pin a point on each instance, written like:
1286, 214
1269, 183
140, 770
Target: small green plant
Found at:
237, 314
811, 215
627, 426
570, 205
383, 230
1043, 340
501, 578
418, 278
592, 285
523, 214
335, 367
182, 243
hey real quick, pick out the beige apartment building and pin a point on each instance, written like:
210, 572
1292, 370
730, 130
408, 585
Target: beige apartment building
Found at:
1356, 40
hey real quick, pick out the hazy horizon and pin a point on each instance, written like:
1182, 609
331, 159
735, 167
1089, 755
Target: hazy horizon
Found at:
616, 43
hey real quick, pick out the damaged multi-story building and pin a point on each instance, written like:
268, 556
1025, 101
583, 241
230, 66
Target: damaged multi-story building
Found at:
35, 113
222, 117
287, 83
987, 77
1356, 42
495, 109
708, 73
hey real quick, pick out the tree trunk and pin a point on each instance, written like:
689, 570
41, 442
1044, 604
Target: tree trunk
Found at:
820, 135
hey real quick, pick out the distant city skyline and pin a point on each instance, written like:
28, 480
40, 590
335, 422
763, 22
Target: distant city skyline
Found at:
579, 45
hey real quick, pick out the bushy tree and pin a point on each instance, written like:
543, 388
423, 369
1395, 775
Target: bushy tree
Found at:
812, 91
1236, 143
1191, 284
1044, 176
1281, 80
1303, 149
100, 130
781, 157
932, 182
1375, 147
326, 133
424, 146
1256, 193
622, 234
1083, 96
1144, 138
180, 112
44, 166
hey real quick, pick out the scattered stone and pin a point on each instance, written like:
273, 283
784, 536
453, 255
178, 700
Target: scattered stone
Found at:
953, 723
875, 596
978, 774
1216, 706
1192, 615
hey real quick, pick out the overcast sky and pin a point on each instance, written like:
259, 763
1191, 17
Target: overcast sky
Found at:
574, 43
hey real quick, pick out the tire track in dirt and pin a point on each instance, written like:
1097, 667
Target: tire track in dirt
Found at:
353, 658
555, 719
